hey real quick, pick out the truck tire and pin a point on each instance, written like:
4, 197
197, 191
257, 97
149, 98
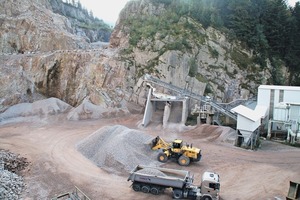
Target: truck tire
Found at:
162, 157
154, 190
206, 198
183, 160
136, 187
177, 194
146, 189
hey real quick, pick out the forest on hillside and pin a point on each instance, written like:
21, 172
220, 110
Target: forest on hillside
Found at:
268, 27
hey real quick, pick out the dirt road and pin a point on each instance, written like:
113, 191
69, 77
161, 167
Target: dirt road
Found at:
56, 166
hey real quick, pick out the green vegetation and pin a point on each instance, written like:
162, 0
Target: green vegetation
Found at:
241, 59
96, 25
89, 21
193, 68
268, 27
213, 52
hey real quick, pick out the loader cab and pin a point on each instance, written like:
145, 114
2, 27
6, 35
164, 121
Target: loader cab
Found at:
177, 144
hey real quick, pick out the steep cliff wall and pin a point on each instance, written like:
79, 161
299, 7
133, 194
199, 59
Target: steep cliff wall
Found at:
155, 40
40, 57
83, 24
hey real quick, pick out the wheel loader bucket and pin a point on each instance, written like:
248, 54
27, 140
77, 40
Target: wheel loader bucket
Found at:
154, 142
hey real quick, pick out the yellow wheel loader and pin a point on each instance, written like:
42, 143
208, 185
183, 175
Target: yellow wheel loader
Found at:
183, 154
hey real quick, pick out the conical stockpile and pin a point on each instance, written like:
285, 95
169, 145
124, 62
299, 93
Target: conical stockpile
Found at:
118, 149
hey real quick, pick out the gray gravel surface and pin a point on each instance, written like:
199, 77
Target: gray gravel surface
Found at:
118, 149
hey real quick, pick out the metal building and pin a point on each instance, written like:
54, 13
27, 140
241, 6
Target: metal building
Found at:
277, 109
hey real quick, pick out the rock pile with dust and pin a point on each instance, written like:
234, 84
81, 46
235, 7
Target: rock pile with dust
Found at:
118, 149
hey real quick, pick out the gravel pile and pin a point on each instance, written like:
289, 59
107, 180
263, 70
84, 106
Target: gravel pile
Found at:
45, 107
11, 184
118, 149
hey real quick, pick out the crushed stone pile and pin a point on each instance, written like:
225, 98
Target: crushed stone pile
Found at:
11, 184
118, 149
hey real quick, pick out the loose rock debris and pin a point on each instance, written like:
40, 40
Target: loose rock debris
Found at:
118, 149
11, 184
13, 162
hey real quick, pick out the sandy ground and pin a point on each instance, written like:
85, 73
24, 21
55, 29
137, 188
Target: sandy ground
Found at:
56, 166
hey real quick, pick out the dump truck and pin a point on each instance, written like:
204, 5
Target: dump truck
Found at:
183, 154
155, 180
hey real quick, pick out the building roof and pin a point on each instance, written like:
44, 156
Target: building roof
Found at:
253, 115
279, 87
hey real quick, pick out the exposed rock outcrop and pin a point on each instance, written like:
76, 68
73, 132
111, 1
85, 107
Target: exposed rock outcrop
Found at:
29, 25
68, 75
41, 58
83, 24
223, 69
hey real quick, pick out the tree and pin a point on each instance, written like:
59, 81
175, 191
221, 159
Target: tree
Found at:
91, 14
79, 5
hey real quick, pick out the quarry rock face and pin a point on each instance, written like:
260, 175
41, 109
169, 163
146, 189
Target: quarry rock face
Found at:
68, 75
41, 58
79, 19
27, 26
222, 66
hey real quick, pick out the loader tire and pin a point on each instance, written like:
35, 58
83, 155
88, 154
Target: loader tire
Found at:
183, 160
162, 157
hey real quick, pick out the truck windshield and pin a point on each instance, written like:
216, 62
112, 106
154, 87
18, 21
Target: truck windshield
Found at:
215, 186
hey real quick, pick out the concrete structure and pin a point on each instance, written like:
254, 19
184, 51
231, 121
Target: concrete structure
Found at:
165, 109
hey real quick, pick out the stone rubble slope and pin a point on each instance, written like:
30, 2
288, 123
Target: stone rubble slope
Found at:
118, 149
49, 106
11, 184
13, 162
88, 110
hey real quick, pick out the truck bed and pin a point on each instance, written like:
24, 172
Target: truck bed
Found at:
160, 176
